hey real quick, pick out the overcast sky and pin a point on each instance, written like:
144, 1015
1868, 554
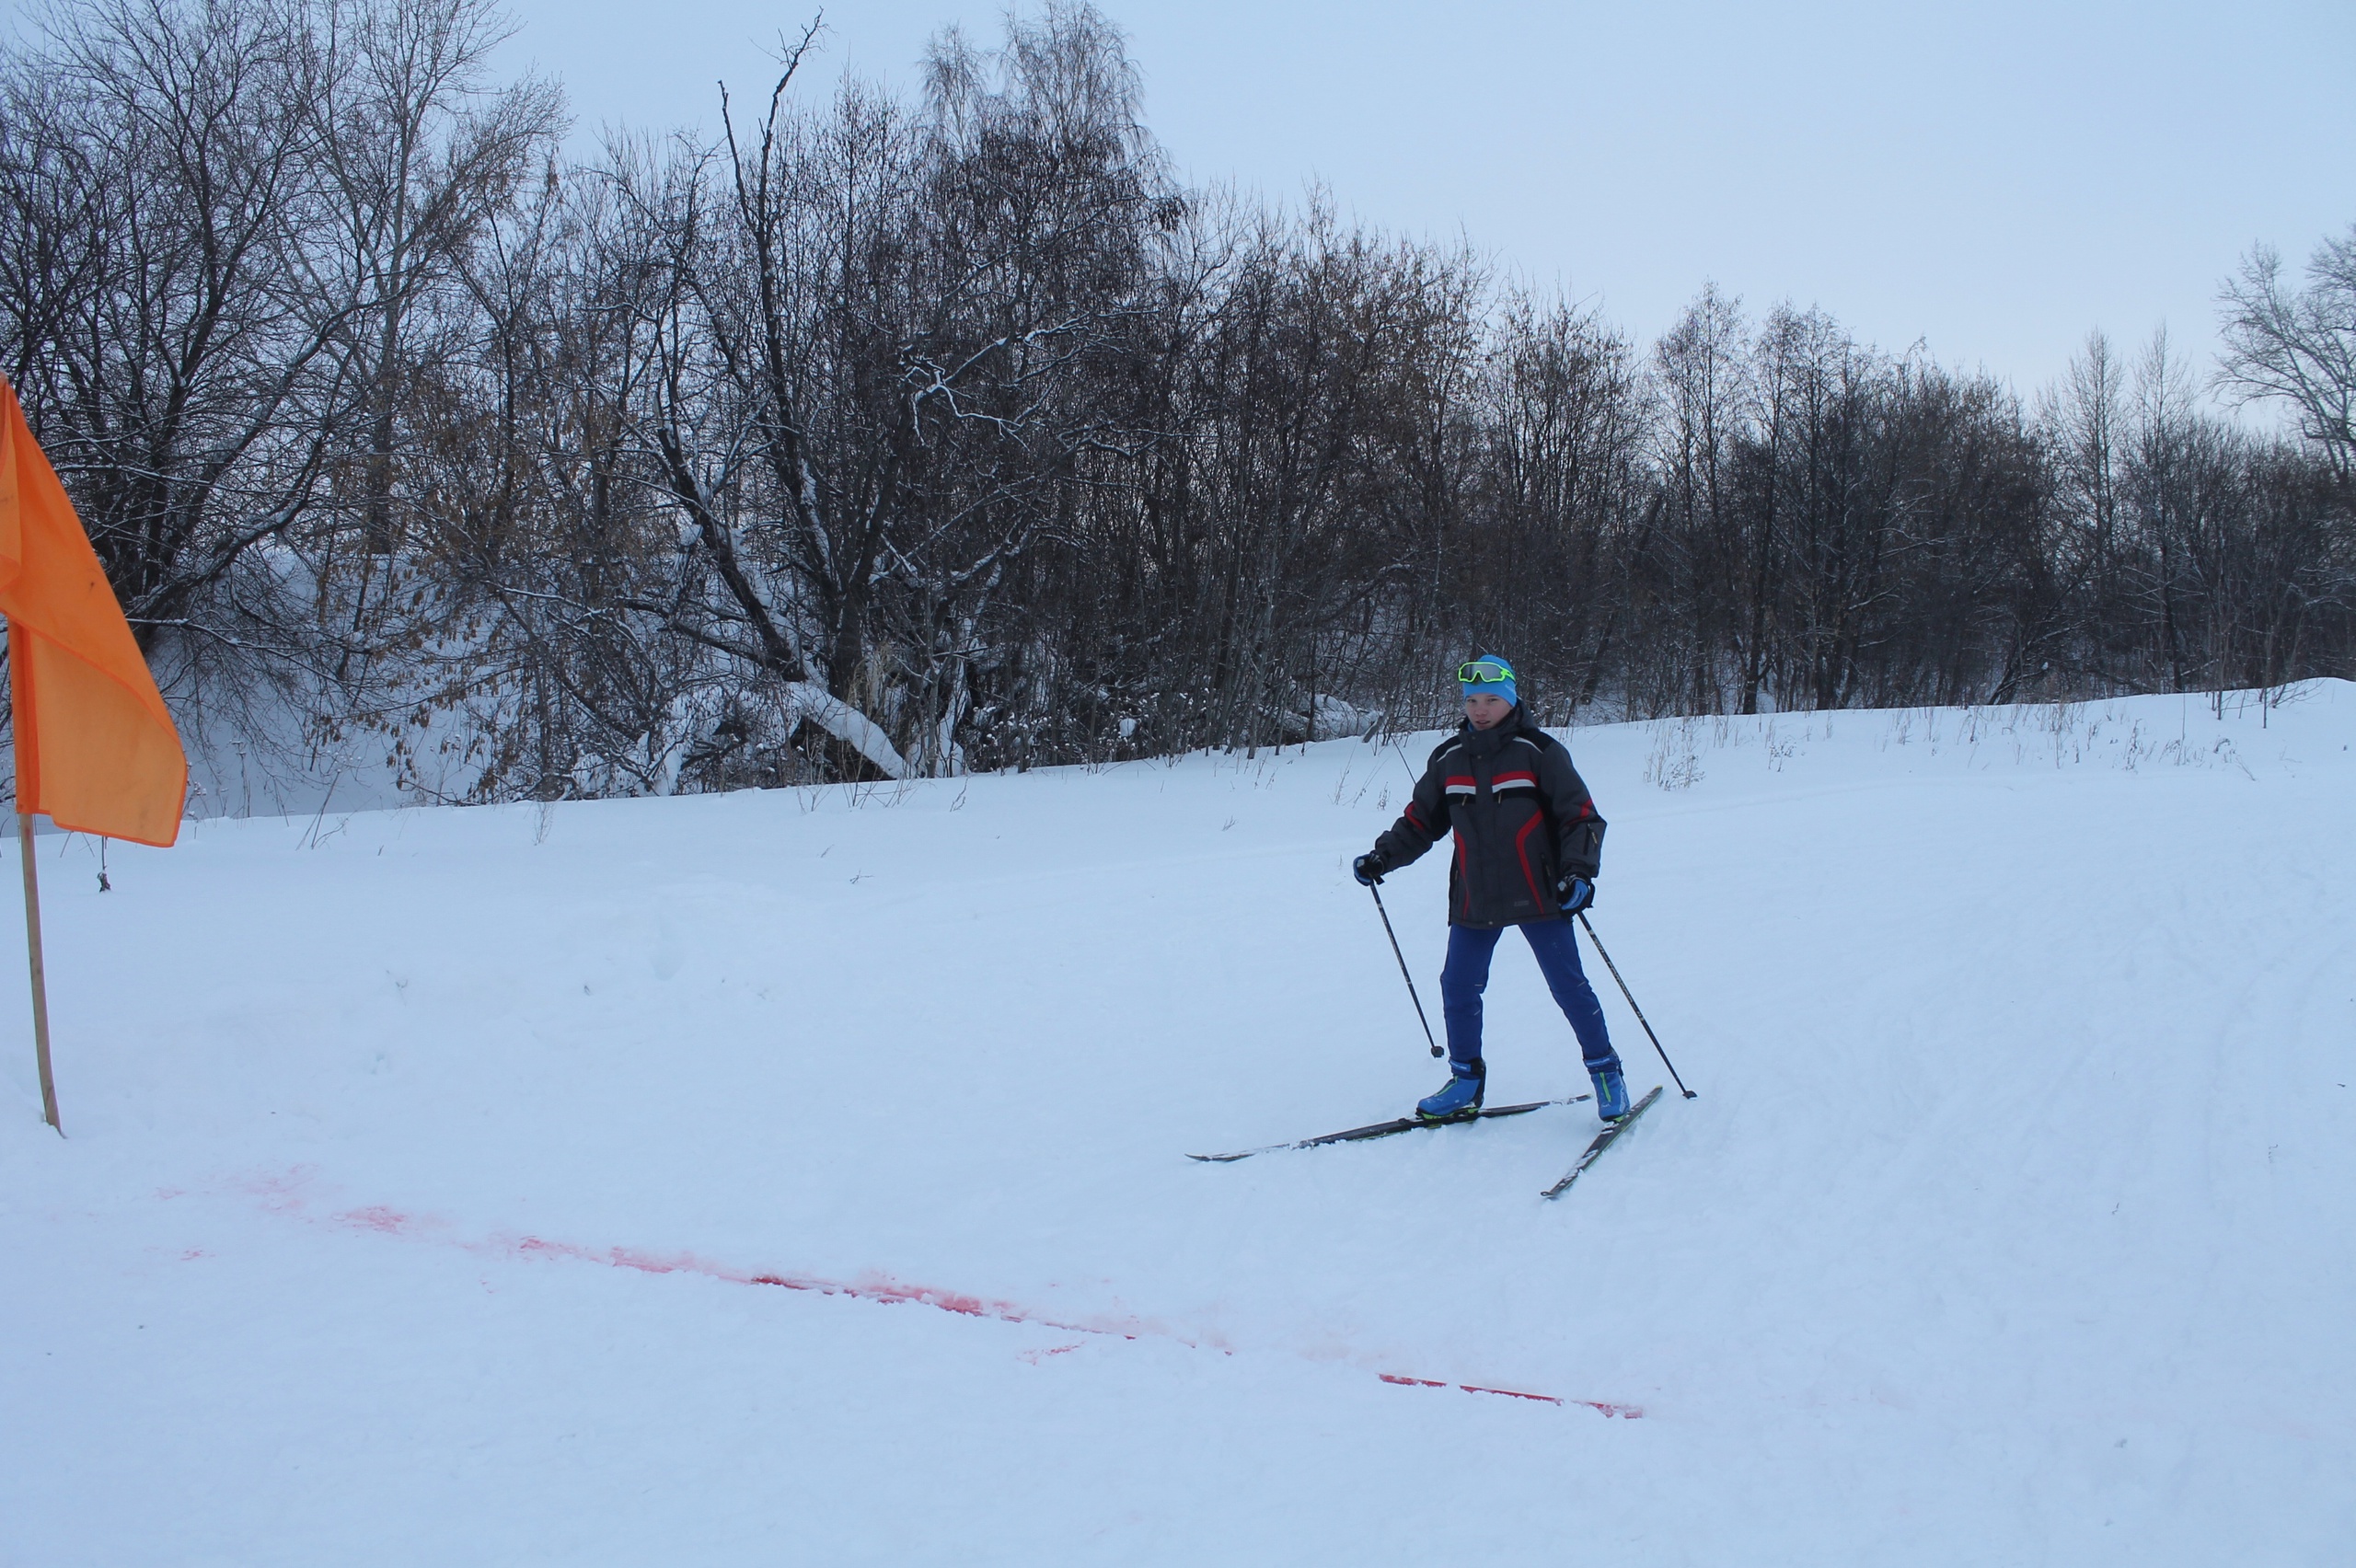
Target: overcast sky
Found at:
1995, 178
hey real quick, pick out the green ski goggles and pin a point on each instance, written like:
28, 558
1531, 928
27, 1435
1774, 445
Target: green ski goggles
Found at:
1484, 670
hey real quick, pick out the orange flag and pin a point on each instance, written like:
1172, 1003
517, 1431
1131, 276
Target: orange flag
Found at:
97, 751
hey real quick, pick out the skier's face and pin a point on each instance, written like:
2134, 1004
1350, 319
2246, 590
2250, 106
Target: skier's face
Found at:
1484, 708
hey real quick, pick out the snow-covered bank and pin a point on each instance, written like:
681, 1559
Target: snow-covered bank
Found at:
2013, 1223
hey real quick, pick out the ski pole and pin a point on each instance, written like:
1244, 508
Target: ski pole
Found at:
1632, 1004
1403, 970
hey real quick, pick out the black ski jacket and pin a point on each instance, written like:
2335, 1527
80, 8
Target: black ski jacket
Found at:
1521, 815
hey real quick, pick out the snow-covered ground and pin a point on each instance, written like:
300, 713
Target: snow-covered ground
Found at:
799, 1176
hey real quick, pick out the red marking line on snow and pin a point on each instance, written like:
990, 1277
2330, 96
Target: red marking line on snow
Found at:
287, 1194
389, 1222
1624, 1412
881, 1289
283, 1194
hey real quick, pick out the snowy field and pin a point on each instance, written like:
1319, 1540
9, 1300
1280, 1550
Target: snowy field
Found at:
799, 1177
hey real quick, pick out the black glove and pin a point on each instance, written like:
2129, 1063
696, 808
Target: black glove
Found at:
1575, 893
1369, 868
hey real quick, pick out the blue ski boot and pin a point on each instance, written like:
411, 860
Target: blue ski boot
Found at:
1610, 1092
1459, 1098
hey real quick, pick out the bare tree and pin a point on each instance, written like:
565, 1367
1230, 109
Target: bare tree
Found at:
1702, 371
232, 209
179, 363
420, 153
889, 436
2298, 348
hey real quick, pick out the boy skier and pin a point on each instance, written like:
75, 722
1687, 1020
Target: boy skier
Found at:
1529, 844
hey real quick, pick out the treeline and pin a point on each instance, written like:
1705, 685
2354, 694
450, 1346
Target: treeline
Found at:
884, 437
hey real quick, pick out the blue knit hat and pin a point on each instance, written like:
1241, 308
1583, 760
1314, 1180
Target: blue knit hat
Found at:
1489, 675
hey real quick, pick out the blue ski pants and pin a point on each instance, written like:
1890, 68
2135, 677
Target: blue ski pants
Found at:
1466, 975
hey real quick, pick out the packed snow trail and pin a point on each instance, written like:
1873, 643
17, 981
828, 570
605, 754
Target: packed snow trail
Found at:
2012, 1224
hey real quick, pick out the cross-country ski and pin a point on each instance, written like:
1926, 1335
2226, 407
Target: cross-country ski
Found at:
1602, 1141
1387, 1129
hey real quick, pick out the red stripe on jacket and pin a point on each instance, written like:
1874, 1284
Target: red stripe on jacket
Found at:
1521, 852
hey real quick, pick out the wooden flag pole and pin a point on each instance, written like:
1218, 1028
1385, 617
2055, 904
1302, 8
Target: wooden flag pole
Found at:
40, 986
